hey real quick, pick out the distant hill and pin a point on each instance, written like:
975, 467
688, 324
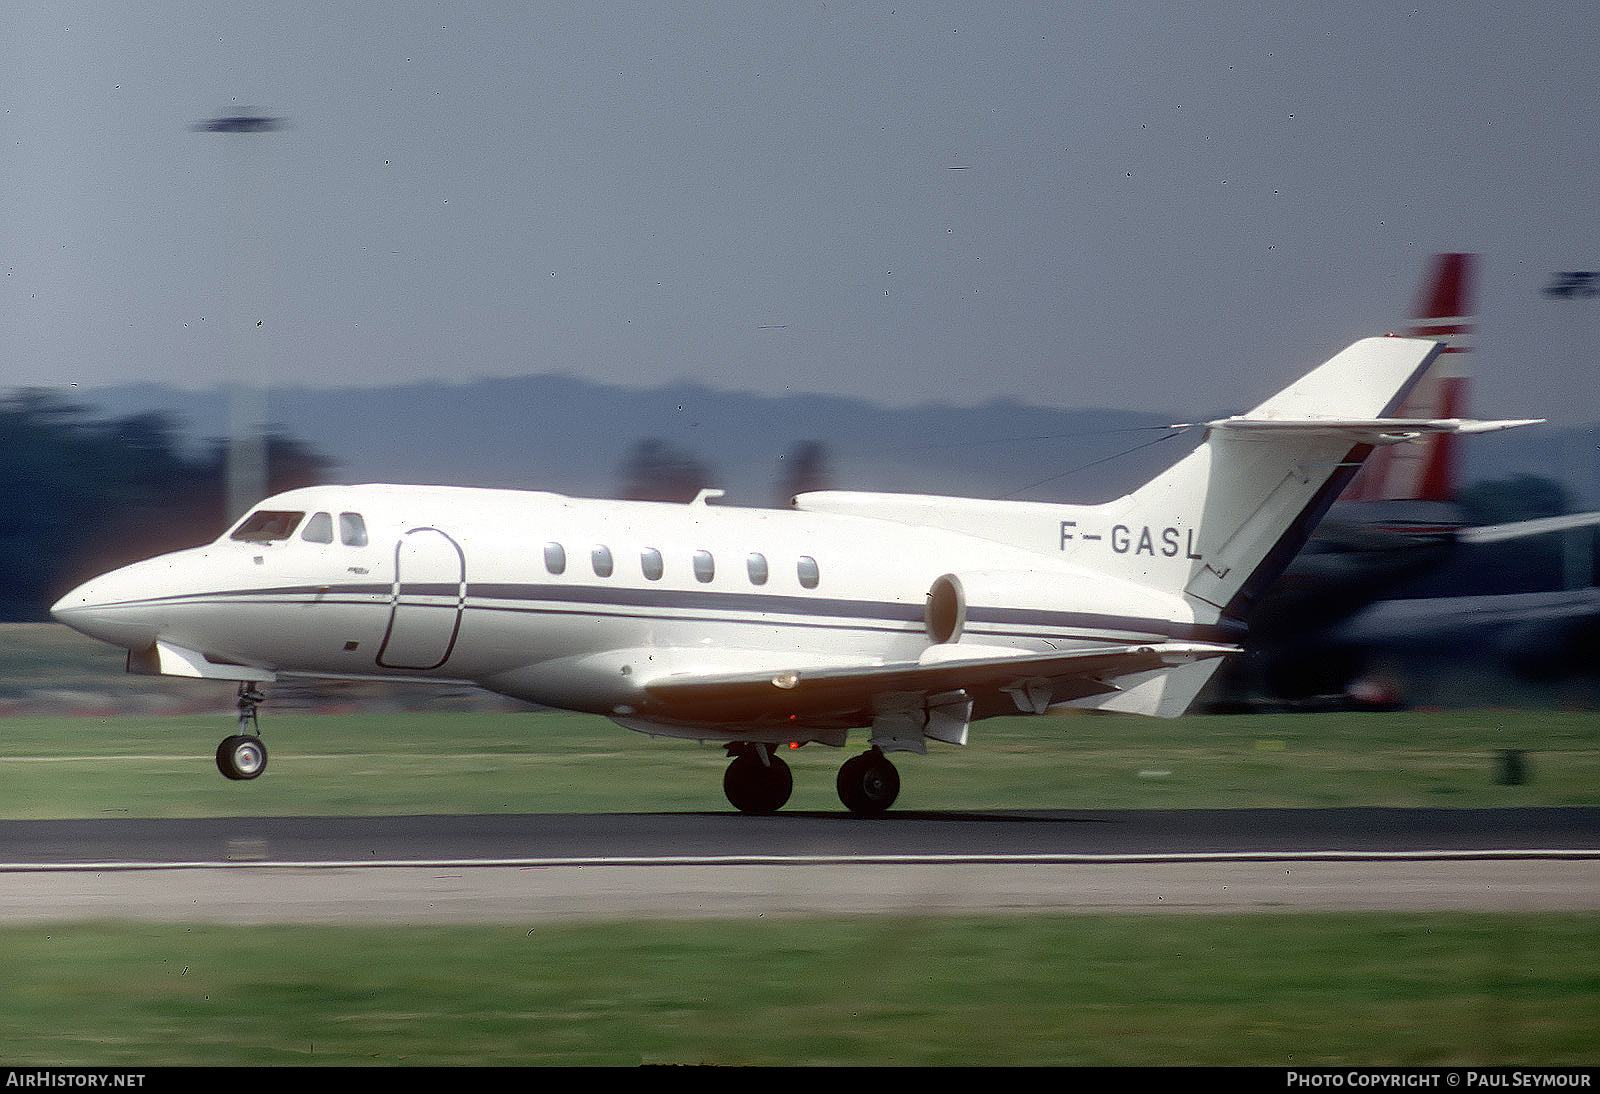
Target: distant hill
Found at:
559, 433
568, 435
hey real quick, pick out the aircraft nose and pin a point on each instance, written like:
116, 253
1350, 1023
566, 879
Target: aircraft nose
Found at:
102, 608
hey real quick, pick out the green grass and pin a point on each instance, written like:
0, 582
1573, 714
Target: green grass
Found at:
531, 762
1278, 990
1265, 989
449, 760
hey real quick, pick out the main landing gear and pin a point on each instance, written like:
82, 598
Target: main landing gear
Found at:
243, 756
868, 784
758, 781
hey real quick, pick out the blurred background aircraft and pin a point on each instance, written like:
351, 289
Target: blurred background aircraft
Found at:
1414, 590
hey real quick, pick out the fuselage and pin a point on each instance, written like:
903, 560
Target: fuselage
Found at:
567, 602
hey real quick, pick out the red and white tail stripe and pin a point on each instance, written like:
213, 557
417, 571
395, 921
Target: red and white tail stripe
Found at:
1428, 470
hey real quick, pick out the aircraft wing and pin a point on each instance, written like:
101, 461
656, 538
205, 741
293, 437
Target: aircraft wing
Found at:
1498, 533
997, 681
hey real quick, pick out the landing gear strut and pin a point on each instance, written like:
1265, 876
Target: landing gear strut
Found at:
243, 756
868, 784
757, 781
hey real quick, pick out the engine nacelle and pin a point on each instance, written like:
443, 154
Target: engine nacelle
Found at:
986, 605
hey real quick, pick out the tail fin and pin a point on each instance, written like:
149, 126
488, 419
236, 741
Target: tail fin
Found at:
1248, 497
1255, 489
1429, 470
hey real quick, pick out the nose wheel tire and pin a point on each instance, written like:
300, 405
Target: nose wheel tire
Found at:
868, 784
242, 757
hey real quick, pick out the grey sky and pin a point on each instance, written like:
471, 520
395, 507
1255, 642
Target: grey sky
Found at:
1168, 204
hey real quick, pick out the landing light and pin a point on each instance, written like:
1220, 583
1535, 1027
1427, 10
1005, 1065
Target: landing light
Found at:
786, 680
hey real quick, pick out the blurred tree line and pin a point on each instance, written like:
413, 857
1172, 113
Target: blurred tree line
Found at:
657, 470
1532, 564
1522, 497
79, 496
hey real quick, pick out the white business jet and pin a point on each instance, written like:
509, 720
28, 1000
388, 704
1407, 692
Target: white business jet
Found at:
910, 616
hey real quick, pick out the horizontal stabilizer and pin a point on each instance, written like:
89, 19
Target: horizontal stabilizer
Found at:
1370, 430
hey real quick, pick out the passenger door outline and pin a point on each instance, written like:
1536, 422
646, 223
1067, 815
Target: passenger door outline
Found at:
426, 604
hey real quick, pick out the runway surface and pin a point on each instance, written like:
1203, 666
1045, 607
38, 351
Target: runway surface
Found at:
522, 868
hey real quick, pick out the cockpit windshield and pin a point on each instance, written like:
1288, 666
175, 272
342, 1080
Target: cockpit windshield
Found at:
267, 526
352, 530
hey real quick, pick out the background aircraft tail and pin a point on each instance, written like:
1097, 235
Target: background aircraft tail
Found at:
1430, 469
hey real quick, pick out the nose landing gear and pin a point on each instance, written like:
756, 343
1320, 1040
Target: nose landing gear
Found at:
243, 756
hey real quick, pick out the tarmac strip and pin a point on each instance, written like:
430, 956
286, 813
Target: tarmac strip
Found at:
499, 893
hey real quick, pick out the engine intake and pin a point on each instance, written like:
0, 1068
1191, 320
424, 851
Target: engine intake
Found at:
946, 614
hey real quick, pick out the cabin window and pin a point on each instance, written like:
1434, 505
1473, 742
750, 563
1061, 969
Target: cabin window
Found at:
352, 530
705, 567
757, 565
319, 529
650, 562
268, 526
555, 558
809, 575
601, 558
